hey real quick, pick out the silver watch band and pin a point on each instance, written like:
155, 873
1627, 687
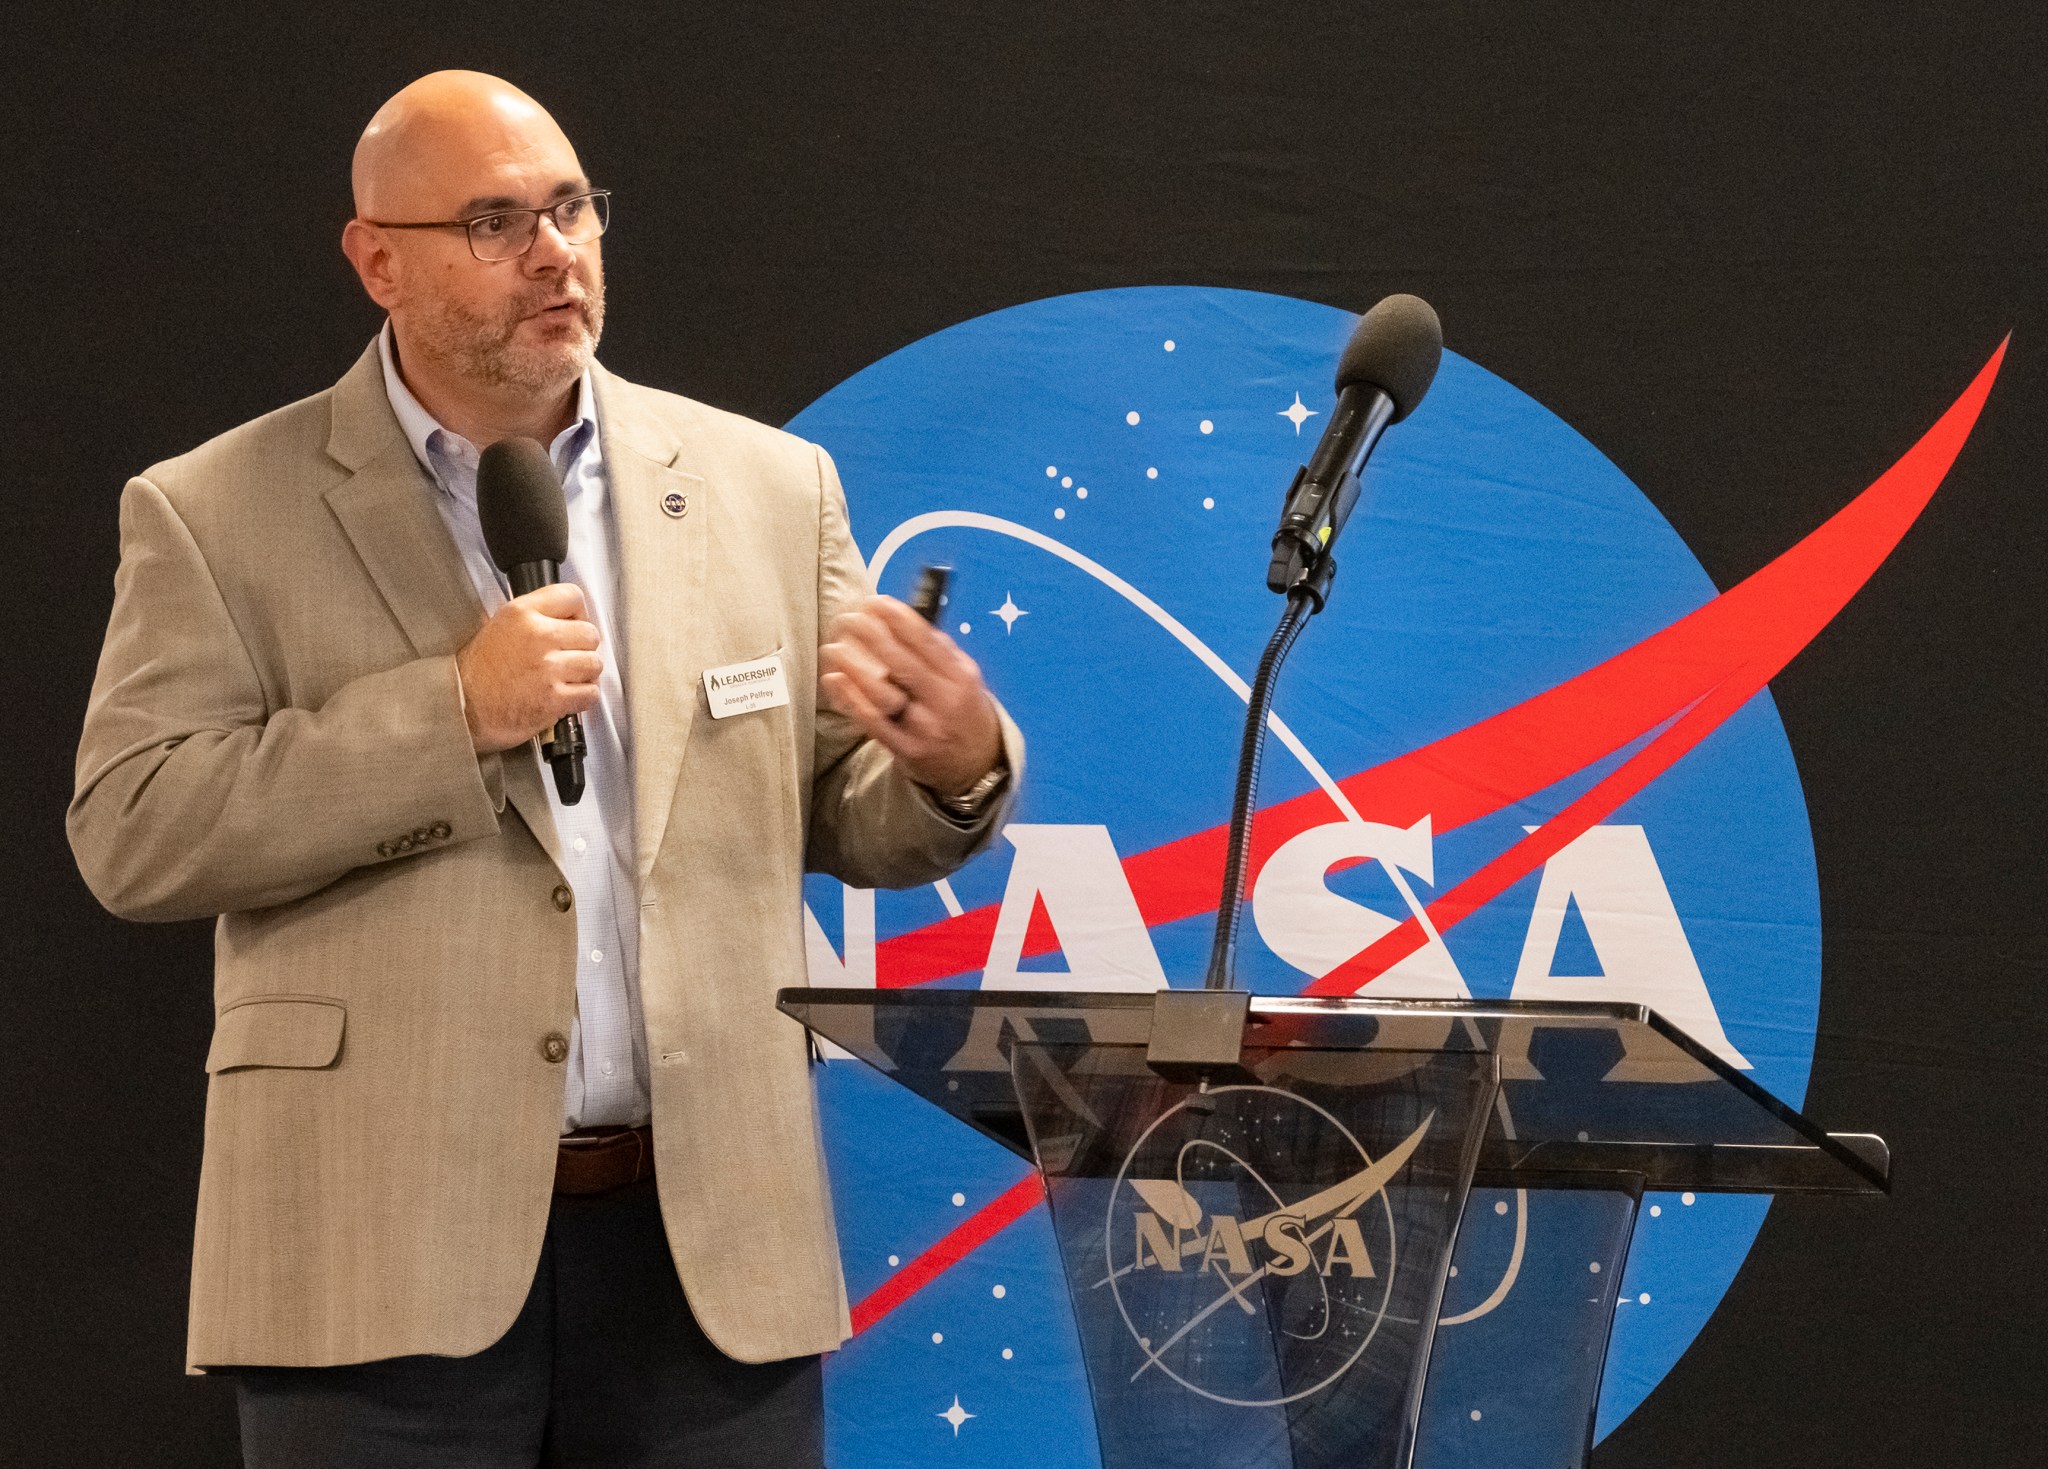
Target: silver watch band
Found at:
970, 803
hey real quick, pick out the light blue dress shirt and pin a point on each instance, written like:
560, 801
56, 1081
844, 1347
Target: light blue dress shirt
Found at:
607, 1062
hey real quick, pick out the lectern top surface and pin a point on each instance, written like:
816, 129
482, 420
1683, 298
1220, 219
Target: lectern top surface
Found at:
1584, 1088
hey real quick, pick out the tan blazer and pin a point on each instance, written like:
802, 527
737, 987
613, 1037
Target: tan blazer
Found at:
277, 700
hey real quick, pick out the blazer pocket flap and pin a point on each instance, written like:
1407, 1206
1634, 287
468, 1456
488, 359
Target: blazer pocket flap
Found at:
283, 1030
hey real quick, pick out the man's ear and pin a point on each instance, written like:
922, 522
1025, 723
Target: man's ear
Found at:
372, 257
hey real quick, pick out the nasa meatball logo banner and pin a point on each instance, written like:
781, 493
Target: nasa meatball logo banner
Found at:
1529, 751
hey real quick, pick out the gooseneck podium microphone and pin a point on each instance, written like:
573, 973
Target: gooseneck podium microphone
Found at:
525, 522
1386, 369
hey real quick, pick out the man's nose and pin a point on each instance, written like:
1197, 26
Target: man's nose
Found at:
549, 251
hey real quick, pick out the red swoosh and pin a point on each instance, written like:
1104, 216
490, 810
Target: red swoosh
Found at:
1709, 664
1694, 674
1012, 1204
1703, 667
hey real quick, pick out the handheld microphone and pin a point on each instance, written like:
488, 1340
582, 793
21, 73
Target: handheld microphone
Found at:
1386, 369
525, 522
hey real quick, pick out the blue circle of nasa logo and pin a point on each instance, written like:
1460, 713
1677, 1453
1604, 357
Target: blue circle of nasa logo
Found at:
675, 504
1103, 471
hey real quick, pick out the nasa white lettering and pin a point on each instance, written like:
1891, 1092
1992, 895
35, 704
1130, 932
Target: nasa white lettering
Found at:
1076, 873
1612, 876
742, 688
1315, 930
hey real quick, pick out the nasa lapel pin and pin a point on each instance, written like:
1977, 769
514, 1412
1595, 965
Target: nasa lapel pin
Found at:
675, 504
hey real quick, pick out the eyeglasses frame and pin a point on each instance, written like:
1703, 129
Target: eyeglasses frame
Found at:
467, 225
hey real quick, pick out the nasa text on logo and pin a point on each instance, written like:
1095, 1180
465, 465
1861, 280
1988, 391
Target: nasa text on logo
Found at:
1527, 752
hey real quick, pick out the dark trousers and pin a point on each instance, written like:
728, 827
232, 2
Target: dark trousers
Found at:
604, 1366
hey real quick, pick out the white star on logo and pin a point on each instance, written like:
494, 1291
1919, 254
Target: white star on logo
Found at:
1009, 612
1299, 414
955, 1415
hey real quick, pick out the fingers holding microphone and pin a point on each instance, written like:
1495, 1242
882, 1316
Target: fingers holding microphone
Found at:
535, 661
910, 688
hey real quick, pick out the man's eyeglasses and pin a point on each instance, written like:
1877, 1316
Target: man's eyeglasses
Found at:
506, 234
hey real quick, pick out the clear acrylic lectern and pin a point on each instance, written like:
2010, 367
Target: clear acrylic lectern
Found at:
1256, 1251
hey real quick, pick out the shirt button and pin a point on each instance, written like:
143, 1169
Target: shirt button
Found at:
580, 844
597, 956
609, 1068
562, 899
554, 1047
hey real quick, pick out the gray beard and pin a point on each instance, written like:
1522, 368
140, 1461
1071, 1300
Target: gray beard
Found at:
481, 346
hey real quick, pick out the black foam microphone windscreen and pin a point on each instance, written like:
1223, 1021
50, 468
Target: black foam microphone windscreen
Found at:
1395, 348
519, 503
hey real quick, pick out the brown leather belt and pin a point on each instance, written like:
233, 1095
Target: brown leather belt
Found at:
596, 1160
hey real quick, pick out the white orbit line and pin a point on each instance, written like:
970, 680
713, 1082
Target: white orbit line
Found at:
917, 525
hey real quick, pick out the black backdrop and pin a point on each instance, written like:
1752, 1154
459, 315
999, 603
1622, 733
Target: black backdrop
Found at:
1751, 250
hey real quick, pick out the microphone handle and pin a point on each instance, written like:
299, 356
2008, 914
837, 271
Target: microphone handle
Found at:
564, 748
1361, 415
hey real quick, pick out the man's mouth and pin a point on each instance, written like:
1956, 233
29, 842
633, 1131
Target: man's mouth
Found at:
564, 309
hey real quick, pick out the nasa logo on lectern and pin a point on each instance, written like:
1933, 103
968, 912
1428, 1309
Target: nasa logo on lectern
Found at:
1528, 751
1317, 1269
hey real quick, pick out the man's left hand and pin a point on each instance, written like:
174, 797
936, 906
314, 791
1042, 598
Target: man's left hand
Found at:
910, 688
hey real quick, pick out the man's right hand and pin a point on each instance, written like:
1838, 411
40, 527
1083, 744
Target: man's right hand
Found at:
535, 661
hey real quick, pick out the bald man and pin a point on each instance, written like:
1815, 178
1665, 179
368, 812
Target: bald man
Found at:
509, 1159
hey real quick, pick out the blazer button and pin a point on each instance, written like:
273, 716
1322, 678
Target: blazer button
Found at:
404, 844
554, 1047
421, 837
562, 899
440, 831
385, 849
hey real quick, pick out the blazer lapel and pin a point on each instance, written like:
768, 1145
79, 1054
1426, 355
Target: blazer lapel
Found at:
664, 518
386, 507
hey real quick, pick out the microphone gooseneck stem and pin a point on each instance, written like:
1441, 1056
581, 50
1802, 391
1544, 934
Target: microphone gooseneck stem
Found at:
1301, 606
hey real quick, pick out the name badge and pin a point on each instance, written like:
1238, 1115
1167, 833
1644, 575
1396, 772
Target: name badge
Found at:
742, 688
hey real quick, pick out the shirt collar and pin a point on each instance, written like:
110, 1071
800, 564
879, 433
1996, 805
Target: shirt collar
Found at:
430, 441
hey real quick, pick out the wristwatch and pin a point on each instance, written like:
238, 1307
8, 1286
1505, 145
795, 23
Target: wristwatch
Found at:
970, 803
